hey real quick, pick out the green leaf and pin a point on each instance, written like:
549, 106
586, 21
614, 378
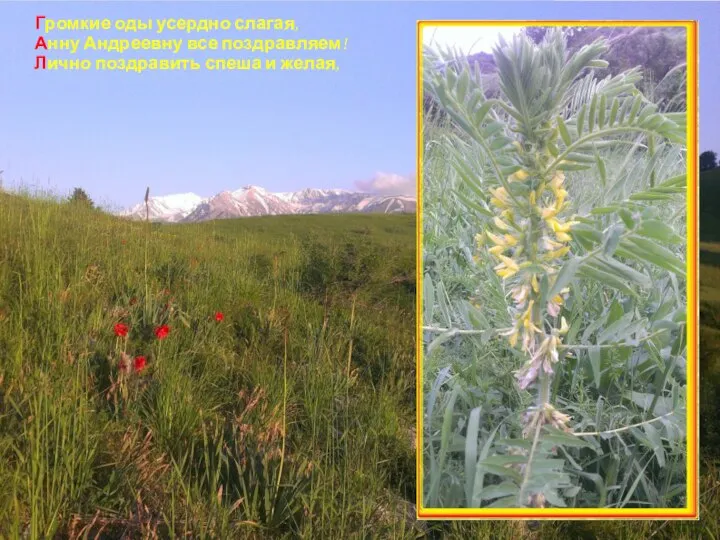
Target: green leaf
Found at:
462, 86
640, 476
474, 206
627, 218
479, 475
614, 111
581, 120
650, 196
492, 128
594, 354
554, 152
611, 280
580, 158
500, 142
471, 451
564, 276
553, 498
653, 121
613, 266
601, 168
649, 251
507, 171
614, 329
475, 97
571, 492
564, 133
561, 438
442, 376
505, 502
653, 435
503, 460
481, 113
599, 485
646, 114
567, 166
675, 181
470, 182
658, 230
464, 124
548, 465
439, 340
645, 400
634, 109
428, 299
501, 471
503, 489
604, 210
612, 240
447, 426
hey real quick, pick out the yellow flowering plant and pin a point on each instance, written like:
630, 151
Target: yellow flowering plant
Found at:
552, 125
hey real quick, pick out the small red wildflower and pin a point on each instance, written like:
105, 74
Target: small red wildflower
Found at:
121, 330
161, 332
219, 316
123, 241
133, 301
139, 363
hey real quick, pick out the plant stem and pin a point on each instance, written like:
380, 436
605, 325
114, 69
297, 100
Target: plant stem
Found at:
147, 241
544, 392
282, 450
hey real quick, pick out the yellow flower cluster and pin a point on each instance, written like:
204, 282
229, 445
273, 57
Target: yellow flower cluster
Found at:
556, 247
516, 248
509, 233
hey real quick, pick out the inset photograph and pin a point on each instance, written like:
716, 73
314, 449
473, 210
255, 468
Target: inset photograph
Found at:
558, 297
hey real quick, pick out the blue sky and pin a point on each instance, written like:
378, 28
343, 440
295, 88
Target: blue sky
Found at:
115, 133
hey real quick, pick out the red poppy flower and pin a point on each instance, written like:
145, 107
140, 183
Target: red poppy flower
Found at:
161, 332
121, 330
139, 363
219, 316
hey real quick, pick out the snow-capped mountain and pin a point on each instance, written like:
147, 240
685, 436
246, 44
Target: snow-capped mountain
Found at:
256, 201
170, 208
388, 205
248, 201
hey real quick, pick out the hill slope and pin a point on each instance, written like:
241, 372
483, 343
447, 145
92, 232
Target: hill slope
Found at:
278, 366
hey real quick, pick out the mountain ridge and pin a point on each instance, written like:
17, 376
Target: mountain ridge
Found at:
252, 200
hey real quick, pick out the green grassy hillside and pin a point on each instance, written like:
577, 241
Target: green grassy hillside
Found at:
293, 415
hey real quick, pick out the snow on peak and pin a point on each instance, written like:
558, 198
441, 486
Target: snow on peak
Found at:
248, 188
252, 200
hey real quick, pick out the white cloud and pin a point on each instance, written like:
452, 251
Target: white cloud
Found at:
389, 184
468, 39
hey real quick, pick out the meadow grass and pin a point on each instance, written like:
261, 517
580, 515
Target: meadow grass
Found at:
477, 371
291, 416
